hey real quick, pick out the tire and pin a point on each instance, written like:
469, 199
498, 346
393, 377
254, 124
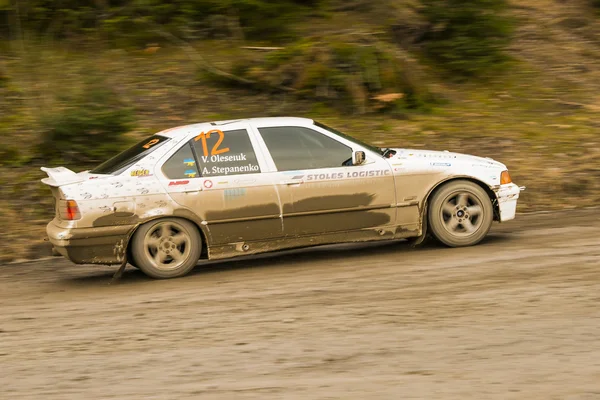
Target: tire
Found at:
166, 248
460, 214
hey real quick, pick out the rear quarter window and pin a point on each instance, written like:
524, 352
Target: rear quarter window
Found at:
182, 164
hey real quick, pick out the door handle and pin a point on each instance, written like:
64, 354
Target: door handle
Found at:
293, 183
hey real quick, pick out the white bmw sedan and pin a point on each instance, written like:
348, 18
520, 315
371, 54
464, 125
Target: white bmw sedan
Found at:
223, 189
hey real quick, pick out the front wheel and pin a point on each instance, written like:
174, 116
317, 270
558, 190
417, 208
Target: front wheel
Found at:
460, 214
166, 248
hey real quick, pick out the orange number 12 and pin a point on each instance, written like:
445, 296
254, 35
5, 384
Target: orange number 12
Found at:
215, 150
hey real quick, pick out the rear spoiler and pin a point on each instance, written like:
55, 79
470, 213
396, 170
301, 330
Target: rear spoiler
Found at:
61, 176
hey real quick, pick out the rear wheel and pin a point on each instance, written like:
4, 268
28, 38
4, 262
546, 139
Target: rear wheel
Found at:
166, 248
460, 214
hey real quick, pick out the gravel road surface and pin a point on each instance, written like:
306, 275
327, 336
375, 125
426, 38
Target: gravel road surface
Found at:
516, 317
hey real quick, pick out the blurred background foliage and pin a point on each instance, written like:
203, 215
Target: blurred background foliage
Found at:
130, 22
467, 37
513, 80
359, 74
86, 126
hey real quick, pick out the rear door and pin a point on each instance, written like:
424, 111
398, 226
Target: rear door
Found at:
320, 191
218, 175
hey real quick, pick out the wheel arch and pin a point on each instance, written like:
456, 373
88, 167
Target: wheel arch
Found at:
483, 185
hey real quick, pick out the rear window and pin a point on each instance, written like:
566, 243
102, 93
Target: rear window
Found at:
124, 160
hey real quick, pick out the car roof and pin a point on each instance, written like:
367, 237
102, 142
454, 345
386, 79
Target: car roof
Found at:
266, 121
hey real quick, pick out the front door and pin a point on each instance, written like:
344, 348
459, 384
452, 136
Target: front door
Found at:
320, 190
218, 176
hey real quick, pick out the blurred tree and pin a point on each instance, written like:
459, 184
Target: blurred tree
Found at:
89, 125
467, 37
133, 19
360, 75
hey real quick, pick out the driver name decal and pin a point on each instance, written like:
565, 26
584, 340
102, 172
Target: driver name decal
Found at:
217, 158
243, 169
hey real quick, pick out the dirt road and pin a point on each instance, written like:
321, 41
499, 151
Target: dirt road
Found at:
517, 317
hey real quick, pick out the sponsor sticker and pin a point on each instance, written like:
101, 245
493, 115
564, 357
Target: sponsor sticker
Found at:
191, 173
208, 184
140, 172
234, 193
441, 164
368, 174
176, 183
151, 143
345, 175
190, 162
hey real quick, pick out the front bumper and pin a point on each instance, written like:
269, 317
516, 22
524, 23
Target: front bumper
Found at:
507, 201
102, 245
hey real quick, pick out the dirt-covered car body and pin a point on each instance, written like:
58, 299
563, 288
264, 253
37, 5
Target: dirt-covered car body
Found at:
257, 185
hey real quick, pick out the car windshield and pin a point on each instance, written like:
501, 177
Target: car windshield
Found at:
123, 160
350, 138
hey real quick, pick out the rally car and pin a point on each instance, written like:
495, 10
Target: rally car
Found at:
230, 188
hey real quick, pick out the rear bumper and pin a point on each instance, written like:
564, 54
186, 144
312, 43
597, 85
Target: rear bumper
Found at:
507, 201
103, 245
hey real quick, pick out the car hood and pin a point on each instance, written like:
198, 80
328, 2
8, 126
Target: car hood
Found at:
444, 157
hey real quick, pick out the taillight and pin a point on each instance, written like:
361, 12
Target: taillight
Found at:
505, 178
69, 210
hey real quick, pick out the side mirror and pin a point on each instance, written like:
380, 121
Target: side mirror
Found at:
358, 157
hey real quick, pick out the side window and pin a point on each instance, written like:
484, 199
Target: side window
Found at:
225, 153
181, 164
296, 148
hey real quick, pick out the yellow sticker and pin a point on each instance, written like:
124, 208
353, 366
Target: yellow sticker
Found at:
140, 172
